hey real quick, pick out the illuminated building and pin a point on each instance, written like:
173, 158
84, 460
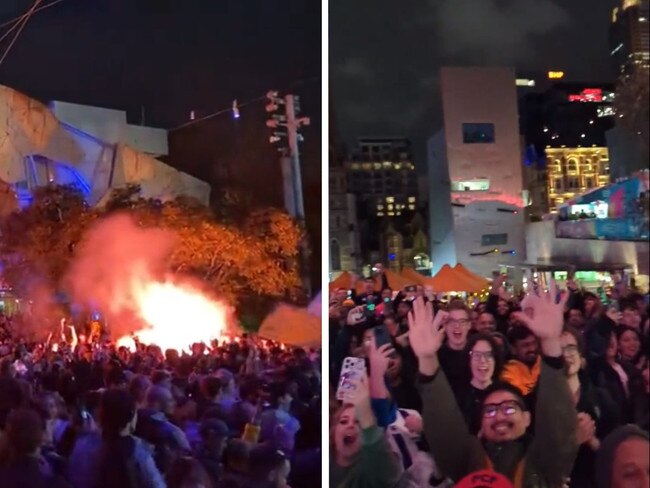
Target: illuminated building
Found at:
629, 36
475, 175
382, 176
573, 171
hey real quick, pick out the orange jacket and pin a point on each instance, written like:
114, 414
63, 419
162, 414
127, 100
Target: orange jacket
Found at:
518, 374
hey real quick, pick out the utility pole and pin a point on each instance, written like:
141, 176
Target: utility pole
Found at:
287, 137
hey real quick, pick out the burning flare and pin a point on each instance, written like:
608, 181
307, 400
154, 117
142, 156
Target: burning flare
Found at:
175, 316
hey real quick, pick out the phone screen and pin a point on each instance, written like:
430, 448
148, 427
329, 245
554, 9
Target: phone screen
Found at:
381, 336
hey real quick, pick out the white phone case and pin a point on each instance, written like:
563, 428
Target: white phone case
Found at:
353, 369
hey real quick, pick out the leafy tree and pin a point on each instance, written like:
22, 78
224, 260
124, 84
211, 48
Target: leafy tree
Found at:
632, 104
254, 259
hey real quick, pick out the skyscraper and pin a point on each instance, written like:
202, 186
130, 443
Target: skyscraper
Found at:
629, 37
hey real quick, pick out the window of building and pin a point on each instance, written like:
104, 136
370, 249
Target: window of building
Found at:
471, 185
572, 165
411, 199
478, 133
573, 182
390, 199
494, 239
411, 207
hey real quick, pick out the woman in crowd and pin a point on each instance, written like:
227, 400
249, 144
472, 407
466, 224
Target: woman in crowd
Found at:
485, 362
360, 455
629, 346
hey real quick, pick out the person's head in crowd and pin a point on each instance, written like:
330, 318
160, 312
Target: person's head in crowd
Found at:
638, 300
391, 325
11, 396
228, 385
485, 360
138, 388
249, 390
623, 460
235, 456
629, 343
268, 467
161, 400
502, 343
394, 371
504, 413
118, 415
386, 295
572, 351
403, 309
503, 308
457, 325
187, 472
575, 318
591, 303
368, 286
345, 436
630, 315
210, 388
162, 378
214, 435
485, 323
25, 431
481, 307
281, 395
524, 345
473, 317
611, 353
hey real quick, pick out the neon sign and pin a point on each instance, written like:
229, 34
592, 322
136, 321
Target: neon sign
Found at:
588, 95
555, 75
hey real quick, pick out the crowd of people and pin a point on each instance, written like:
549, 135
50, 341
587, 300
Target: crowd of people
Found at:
550, 389
237, 413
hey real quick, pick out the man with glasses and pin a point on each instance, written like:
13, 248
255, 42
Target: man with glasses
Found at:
453, 359
543, 460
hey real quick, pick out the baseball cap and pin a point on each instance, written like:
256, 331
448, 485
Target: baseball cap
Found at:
484, 479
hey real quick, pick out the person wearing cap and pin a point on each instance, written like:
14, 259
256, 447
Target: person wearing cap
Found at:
502, 445
214, 435
623, 460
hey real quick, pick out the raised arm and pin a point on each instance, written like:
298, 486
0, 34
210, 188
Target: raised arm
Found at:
454, 449
554, 445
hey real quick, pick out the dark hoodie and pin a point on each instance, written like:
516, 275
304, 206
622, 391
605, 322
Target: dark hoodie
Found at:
605, 458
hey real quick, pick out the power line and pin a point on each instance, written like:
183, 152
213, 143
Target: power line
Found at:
42, 7
24, 21
239, 105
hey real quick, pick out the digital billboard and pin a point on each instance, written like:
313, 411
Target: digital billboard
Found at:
615, 212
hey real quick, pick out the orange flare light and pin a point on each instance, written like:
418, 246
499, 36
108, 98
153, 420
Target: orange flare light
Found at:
175, 316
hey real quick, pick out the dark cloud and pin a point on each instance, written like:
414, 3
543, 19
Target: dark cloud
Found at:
385, 55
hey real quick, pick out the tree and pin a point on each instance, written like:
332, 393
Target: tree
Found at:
258, 258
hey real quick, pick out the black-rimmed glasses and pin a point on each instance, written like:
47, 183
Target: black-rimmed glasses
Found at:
508, 407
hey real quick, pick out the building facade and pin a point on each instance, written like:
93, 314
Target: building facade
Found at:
629, 36
573, 171
382, 176
476, 192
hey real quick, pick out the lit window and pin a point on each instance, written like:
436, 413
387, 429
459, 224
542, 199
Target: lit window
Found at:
398, 213
411, 207
380, 207
390, 206
391, 214
390, 199
411, 199
470, 185
380, 214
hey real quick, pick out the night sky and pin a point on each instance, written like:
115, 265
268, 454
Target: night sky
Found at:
385, 55
170, 56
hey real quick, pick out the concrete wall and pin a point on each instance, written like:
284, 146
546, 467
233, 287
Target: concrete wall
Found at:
542, 246
111, 127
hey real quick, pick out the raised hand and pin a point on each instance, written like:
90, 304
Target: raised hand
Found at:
356, 316
359, 396
545, 318
426, 334
379, 358
586, 429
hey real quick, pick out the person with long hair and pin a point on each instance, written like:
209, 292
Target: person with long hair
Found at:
360, 454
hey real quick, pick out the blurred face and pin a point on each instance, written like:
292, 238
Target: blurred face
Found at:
526, 350
457, 326
504, 419
576, 319
284, 402
631, 318
391, 325
482, 362
572, 360
590, 304
631, 464
629, 345
612, 348
368, 287
347, 437
49, 405
403, 309
486, 323
502, 307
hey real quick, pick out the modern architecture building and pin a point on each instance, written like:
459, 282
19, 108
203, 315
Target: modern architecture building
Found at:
382, 176
476, 192
91, 148
630, 36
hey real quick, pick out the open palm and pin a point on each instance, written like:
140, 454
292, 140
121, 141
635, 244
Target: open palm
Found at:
426, 334
547, 313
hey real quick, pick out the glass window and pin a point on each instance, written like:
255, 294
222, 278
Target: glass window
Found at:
478, 133
494, 239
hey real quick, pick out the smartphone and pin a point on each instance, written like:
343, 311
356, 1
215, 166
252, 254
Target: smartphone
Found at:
352, 371
381, 336
387, 300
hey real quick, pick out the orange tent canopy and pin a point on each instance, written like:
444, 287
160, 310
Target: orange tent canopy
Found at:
448, 279
398, 282
292, 326
414, 276
484, 283
344, 280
